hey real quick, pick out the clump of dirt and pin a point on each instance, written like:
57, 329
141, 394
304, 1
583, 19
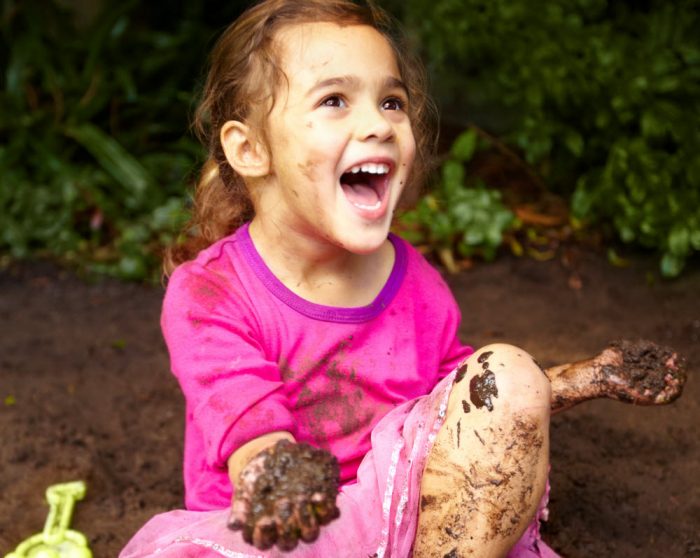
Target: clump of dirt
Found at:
656, 372
294, 493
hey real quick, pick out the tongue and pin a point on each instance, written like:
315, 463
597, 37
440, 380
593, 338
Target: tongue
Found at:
360, 194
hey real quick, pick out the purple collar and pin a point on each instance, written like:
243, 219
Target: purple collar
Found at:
319, 311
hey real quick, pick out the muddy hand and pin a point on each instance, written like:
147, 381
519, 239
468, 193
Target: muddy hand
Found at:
641, 372
287, 492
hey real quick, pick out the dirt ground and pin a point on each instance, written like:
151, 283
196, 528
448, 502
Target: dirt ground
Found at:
85, 393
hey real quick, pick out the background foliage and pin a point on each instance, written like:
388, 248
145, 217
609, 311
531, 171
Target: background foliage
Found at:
600, 98
95, 148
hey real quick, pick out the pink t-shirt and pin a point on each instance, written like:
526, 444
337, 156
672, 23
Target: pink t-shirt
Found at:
252, 357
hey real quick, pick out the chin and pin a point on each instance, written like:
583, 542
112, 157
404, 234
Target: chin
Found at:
366, 242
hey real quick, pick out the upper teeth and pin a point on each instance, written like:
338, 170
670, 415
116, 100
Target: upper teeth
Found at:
373, 168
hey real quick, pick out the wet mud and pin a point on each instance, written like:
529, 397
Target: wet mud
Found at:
294, 493
653, 373
483, 357
461, 372
482, 388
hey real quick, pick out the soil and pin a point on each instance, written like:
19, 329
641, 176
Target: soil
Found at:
85, 393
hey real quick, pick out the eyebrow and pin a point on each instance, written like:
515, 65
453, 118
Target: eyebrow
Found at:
353, 82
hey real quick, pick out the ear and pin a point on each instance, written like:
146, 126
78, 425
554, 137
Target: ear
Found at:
246, 154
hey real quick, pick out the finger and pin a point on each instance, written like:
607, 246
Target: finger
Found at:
287, 525
247, 533
239, 513
324, 508
308, 524
265, 533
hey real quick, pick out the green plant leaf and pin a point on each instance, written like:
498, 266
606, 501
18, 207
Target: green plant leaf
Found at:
464, 146
113, 158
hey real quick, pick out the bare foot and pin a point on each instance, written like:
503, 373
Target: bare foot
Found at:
640, 372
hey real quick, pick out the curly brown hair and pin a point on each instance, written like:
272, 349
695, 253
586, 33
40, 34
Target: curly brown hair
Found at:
242, 77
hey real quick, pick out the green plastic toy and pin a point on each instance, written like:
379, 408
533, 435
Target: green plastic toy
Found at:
57, 541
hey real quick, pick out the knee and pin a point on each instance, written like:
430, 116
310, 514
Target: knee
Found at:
511, 374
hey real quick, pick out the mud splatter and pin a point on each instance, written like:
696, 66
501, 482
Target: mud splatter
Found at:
452, 554
461, 372
426, 500
459, 431
308, 169
482, 389
451, 533
465, 406
484, 356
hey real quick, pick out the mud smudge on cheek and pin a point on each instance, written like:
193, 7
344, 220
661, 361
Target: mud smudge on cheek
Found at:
308, 169
482, 388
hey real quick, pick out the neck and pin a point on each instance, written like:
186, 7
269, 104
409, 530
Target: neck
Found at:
319, 271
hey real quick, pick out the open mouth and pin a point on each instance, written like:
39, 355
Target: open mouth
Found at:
365, 185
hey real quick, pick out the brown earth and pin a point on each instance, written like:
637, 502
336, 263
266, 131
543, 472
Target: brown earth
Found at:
85, 393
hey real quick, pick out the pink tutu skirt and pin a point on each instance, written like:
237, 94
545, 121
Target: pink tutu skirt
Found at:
378, 513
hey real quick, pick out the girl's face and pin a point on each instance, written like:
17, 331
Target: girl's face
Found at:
339, 137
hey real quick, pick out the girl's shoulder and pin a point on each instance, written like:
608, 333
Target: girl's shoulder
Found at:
418, 266
216, 269
424, 282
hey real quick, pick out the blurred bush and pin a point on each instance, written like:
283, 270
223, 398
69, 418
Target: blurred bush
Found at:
94, 143
601, 97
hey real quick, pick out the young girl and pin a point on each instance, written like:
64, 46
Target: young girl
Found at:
294, 315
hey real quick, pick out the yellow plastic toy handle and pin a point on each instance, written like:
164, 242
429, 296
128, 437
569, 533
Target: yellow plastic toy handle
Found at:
57, 540
61, 499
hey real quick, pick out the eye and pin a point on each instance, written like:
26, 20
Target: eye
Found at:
393, 103
334, 101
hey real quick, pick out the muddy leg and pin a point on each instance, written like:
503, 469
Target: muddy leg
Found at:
638, 372
486, 473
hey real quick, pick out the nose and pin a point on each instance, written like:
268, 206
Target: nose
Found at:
372, 124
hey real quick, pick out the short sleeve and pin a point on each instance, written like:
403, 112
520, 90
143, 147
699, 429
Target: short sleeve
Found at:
233, 390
